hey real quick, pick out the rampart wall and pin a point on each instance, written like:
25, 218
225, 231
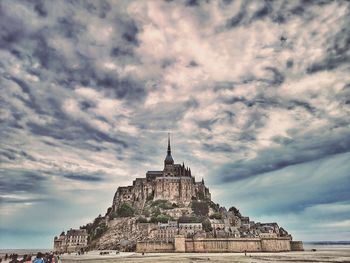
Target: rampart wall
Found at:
206, 245
296, 246
155, 246
275, 244
223, 245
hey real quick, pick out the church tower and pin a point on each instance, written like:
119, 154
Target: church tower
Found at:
168, 159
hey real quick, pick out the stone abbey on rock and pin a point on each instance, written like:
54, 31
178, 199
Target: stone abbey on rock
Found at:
169, 211
174, 183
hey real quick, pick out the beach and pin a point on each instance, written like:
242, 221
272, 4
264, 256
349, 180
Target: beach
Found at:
336, 253
325, 254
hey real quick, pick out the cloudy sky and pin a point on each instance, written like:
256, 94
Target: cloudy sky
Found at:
256, 96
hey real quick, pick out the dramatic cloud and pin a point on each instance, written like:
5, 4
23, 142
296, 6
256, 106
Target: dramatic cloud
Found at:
256, 95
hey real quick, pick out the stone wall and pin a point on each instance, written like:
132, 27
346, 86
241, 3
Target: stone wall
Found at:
174, 189
223, 245
237, 245
219, 245
275, 244
296, 246
180, 244
154, 246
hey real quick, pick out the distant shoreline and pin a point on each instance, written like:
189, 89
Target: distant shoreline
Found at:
327, 242
6, 250
23, 251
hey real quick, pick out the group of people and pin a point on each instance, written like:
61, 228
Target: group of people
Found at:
40, 258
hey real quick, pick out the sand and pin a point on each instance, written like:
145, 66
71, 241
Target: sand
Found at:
323, 254
326, 255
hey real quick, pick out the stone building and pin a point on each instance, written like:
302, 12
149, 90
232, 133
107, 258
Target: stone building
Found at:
59, 243
75, 240
174, 183
167, 231
190, 229
217, 224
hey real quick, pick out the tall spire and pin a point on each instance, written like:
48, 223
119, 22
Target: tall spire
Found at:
168, 158
169, 148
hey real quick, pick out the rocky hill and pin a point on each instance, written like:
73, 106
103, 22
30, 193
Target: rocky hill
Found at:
123, 228
167, 203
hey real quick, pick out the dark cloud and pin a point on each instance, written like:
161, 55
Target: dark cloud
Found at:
236, 19
309, 148
48, 57
298, 103
31, 102
11, 29
85, 177
289, 63
100, 8
282, 140
192, 3
21, 201
122, 88
121, 51
193, 63
264, 11
40, 8
277, 78
206, 124
337, 49
162, 114
69, 28
224, 85
222, 147
22, 181
73, 131
130, 34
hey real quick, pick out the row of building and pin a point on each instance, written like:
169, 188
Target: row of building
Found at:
218, 228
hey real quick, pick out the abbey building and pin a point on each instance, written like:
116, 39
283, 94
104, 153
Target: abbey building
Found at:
174, 183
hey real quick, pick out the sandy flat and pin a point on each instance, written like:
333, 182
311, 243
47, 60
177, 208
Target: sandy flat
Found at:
331, 255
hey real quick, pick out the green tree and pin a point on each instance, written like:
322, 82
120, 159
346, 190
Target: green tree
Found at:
190, 219
216, 215
113, 215
200, 196
141, 220
207, 226
146, 213
126, 210
155, 211
161, 219
200, 208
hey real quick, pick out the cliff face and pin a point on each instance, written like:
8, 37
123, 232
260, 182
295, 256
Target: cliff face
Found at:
121, 234
161, 220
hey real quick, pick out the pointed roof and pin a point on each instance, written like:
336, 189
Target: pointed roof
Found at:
169, 159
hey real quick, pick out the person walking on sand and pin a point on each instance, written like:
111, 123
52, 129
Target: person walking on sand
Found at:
27, 259
14, 259
39, 258
55, 258
23, 259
